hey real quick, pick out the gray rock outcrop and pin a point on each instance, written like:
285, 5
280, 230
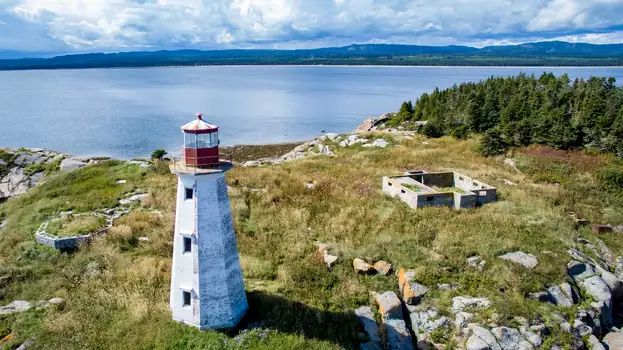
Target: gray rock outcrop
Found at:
528, 261
481, 339
614, 340
426, 320
461, 303
366, 318
69, 164
561, 295
15, 306
511, 339
579, 271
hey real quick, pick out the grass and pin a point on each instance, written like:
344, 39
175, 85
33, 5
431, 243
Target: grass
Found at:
412, 187
449, 189
73, 225
116, 289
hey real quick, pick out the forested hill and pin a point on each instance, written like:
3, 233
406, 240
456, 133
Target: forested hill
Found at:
523, 110
553, 53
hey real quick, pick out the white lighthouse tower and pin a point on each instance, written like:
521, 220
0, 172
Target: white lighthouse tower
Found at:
207, 290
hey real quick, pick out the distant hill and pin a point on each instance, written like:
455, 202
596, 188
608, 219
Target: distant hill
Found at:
552, 53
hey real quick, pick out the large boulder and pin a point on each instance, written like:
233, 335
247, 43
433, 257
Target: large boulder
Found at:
389, 305
69, 164
398, 337
383, 267
405, 276
14, 184
560, 297
614, 340
615, 285
579, 271
528, 261
366, 318
597, 288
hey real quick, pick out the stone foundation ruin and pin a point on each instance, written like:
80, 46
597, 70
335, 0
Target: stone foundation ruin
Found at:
422, 189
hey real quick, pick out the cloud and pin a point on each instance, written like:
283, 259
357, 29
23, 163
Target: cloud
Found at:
109, 25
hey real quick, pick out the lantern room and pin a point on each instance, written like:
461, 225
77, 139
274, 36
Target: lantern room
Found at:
201, 144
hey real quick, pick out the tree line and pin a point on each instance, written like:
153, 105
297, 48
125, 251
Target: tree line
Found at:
523, 110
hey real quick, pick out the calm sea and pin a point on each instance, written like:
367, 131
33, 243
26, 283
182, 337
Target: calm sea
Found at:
130, 112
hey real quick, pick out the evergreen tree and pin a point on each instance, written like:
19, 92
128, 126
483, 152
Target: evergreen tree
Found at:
492, 143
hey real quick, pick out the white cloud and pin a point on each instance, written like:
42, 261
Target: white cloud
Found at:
135, 24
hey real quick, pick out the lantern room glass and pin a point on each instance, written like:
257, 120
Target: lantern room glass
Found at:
196, 141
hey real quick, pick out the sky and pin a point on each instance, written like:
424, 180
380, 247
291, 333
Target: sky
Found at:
74, 26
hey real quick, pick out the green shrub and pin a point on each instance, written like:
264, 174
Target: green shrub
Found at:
460, 132
611, 178
433, 130
492, 143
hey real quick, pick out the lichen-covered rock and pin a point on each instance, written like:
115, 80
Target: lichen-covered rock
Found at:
15, 306
426, 320
324, 253
596, 287
366, 318
481, 339
368, 124
510, 338
615, 285
362, 267
476, 262
528, 261
462, 319
533, 337
413, 292
389, 305
461, 303
383, 267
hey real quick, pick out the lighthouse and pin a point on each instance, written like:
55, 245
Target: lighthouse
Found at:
207, 289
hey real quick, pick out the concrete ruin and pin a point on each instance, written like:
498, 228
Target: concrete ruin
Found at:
422, 189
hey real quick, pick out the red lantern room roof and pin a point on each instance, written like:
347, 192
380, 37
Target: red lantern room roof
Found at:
199, 126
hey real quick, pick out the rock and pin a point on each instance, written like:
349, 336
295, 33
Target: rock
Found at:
362, 267
426, 320
366, 318
559, 297
36, 178
69, 164
405, 276
413, 292
510, 338
15, 306
605, 253
383, 267
121, 182
461, 303
481, 339
615, 285
476, 262
528, 261
330, 136
143, 239
389, 305
370, 123
377, 143
511, 163
13, 184
579, 271
618, 270
326, 256
595, 344
2, 163
461, 320
534, 338
509, 182
134, 198
591, 319
398, 337
582, 328
27, 344
614, 340
570, 292
596, 287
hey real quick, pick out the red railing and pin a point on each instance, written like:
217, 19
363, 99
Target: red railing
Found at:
180, 160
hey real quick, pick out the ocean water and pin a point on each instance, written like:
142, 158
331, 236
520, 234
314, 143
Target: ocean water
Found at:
127, 113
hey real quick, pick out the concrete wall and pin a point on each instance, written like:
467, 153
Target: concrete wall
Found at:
438, 179
435, 199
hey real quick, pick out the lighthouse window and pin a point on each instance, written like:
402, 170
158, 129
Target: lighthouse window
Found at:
190, 140
188, 194
187, 244
186, 297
